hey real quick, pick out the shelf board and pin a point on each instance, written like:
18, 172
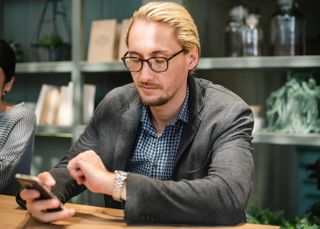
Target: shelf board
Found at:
287, 139
54, 131
259, 62
204, 63
116, 66
261, 137
45, 67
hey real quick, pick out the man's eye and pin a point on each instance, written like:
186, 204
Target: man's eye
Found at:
133, 59
158, 60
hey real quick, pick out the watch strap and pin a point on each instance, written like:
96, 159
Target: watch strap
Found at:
118, 184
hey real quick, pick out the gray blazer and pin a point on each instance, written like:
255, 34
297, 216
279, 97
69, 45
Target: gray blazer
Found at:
213, 170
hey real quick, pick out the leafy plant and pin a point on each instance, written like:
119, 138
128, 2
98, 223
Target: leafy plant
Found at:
51, 41
265, 216
294, 108
57, 49
257, 215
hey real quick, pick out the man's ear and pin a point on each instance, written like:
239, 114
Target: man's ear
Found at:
7, 87
193, 58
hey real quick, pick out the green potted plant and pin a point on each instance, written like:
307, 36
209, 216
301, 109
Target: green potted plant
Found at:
51, 41
57, 49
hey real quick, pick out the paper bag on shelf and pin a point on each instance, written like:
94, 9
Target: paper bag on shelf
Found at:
47, 104
102, 40
64, 115
122, 47
88, 101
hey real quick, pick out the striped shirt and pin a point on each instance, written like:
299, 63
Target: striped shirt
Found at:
154, 155
17, 127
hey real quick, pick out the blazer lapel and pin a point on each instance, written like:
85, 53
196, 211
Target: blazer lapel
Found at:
191, 128
130, 121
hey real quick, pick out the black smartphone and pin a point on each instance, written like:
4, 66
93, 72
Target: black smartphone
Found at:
33, 182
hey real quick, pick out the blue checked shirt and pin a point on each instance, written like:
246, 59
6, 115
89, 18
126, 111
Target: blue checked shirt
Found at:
153, 155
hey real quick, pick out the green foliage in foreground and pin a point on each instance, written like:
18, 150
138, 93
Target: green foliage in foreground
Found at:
266, 216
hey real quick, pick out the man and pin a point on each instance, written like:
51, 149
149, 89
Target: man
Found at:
171, 148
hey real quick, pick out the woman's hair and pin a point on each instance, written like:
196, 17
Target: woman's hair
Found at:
173, 15
7, 61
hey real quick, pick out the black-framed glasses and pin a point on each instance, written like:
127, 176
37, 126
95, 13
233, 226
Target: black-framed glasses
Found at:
156, 64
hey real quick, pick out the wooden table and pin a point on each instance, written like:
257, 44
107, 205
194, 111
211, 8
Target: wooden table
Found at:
12, 216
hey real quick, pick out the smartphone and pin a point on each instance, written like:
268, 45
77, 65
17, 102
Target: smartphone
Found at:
33, 182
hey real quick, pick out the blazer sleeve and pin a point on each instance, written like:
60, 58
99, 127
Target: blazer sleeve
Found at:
67, 187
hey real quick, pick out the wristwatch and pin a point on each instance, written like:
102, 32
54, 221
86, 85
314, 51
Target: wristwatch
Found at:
119, 181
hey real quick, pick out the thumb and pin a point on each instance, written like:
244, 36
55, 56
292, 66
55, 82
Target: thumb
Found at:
47, 179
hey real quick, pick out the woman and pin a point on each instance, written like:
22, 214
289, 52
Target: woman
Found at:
17, 127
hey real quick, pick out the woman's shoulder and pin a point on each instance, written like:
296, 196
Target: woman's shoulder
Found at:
22, 111
17, 117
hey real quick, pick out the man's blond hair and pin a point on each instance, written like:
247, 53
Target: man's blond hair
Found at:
173, 15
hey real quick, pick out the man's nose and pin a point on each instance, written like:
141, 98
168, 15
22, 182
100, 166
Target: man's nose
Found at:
146, 72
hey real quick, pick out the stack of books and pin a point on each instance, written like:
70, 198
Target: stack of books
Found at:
55, 106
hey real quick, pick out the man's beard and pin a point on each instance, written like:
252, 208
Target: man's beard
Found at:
162, 100
154, 103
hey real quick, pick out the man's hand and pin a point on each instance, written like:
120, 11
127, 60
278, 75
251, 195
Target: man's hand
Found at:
88, 169
38, 208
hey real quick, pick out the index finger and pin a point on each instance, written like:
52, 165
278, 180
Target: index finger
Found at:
47, 179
